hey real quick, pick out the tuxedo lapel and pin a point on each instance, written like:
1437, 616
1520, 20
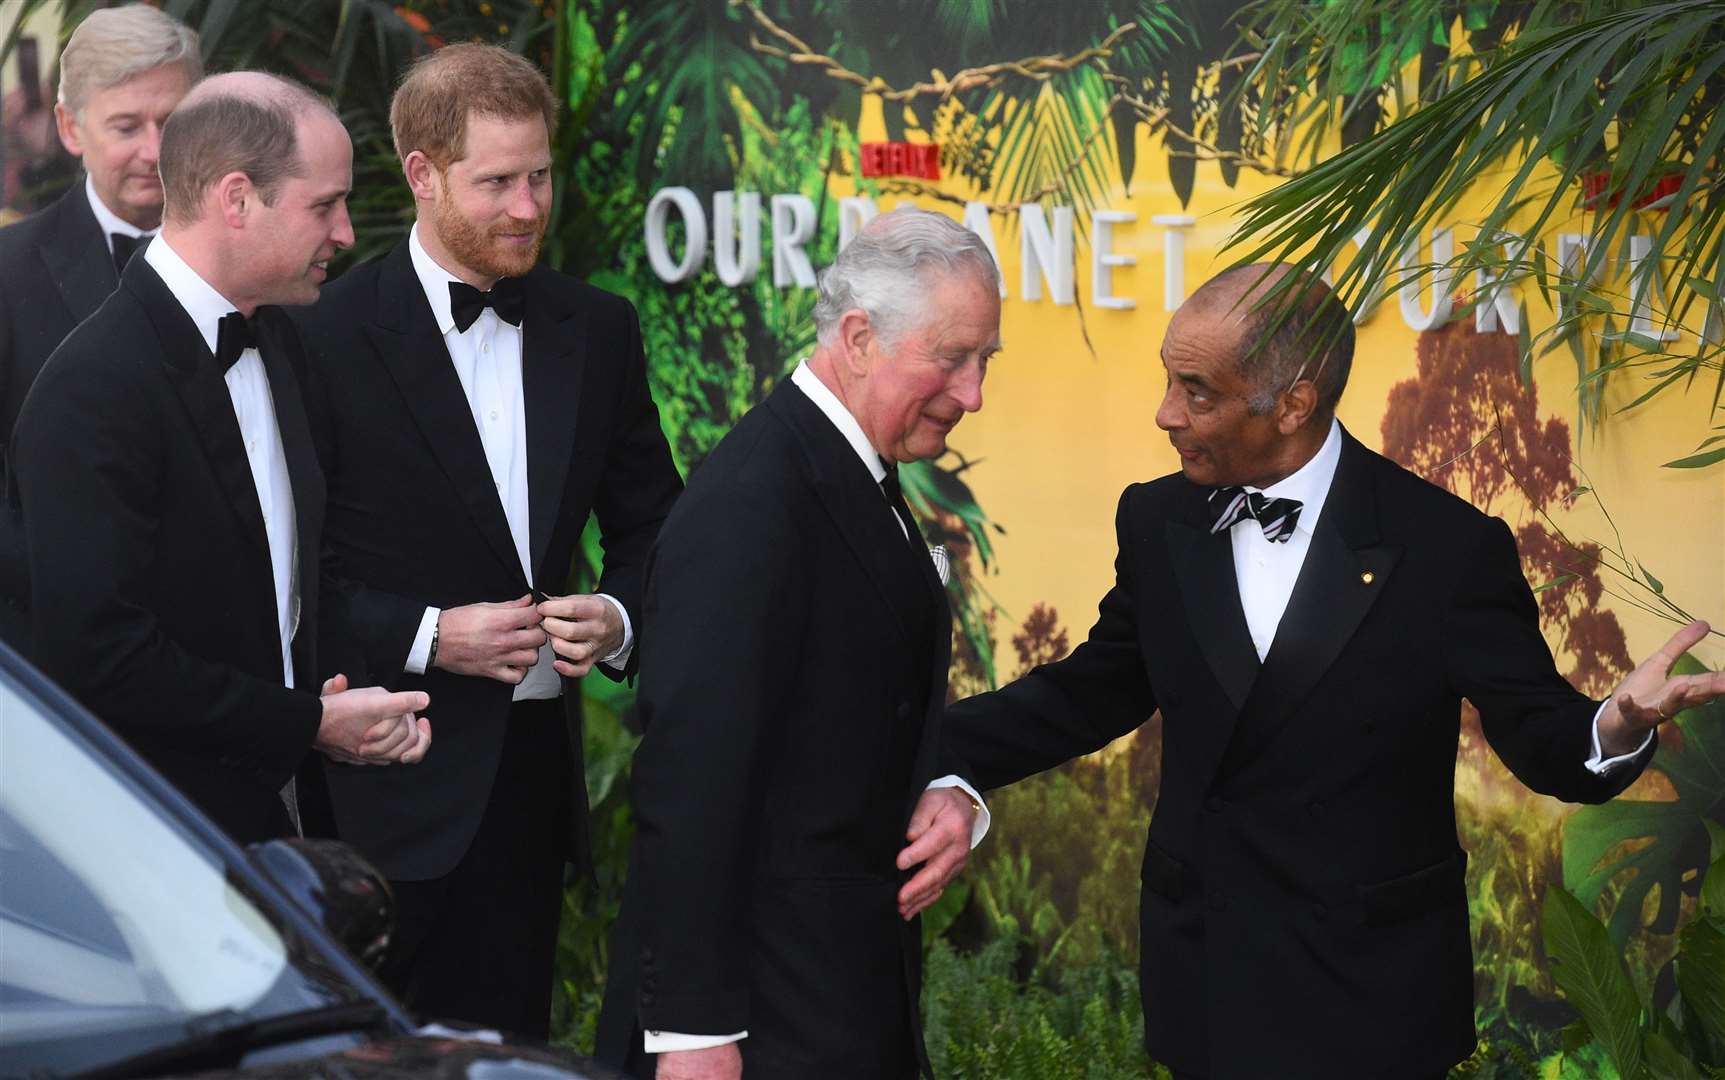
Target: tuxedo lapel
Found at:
275, 344
1204, 568
928, 744
77, 256
857, 507
551, 375
409, 346
204, 394
1344, 573
942, 626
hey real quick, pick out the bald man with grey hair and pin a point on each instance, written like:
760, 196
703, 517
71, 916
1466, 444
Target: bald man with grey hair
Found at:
1307, 617
171, 496
794, 811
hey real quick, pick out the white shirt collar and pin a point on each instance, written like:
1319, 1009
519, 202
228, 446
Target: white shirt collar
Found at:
434, 279
1310, 483
202, 302
109, 221
834, 409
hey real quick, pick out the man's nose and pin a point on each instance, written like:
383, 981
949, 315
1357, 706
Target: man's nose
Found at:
1170, 416
342, 237
151, 149
523, 206
967, 388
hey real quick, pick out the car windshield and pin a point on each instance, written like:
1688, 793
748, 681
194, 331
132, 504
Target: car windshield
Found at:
119, 929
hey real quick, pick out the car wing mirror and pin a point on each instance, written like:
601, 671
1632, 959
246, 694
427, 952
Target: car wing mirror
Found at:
338, 888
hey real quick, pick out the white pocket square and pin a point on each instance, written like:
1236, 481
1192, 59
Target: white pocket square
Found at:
942, 563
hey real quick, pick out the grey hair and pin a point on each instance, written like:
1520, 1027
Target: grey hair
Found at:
888, 270
113, 45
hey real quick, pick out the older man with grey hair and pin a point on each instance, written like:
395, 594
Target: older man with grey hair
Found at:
793, 810
122, 72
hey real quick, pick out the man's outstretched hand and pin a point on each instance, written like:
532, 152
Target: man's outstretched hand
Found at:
1651, 695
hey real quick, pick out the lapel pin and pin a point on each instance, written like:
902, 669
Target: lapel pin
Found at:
1368, 577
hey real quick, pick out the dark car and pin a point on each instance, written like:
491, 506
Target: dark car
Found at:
136, 939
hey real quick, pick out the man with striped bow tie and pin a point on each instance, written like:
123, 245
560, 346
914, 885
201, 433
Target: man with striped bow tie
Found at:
1307, 616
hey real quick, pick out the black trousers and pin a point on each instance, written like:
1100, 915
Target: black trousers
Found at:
479, 943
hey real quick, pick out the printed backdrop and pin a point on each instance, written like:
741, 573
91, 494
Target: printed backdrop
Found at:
712, 156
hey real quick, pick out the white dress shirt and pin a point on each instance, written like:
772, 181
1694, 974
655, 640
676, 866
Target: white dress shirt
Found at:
664, 1042
254, 408
111, 222
487, 360
1265, 572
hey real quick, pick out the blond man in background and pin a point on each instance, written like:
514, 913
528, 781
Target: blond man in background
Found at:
122, 72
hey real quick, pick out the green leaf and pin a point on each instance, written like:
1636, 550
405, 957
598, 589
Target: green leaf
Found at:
1576, 1037
1716, 834
1703, 287
1701, 973
1525, 344
1713, 885
1561, 579
1698, 461
1666, 1061
1654, 583
1589, 970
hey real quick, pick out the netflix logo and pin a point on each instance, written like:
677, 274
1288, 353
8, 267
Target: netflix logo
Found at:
921, 160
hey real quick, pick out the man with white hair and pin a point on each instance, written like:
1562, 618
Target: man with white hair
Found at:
791, 697
173, 504
122, 71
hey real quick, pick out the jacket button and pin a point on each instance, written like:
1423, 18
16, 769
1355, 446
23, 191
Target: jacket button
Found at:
647, 998
1213, 804
646, 956
1218, 902
903, 710
1315, 808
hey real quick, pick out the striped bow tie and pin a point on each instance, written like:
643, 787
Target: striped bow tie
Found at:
1277, 516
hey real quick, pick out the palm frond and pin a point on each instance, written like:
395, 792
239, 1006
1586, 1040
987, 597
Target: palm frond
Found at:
1618, 104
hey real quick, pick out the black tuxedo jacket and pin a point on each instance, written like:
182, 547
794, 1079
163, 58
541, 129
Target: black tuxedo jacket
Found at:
791, 695
415, 521
1304, 909
55, 270
155, 601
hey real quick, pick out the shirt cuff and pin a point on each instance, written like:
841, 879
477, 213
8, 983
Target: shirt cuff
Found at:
979, 827
420, 654
1598, 765
619, 660
667, 1042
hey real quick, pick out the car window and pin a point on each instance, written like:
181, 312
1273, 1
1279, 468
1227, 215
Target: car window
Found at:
117, 924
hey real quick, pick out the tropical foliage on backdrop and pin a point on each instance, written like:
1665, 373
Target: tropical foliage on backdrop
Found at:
1032, 958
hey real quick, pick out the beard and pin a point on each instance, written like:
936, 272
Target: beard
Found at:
481, 248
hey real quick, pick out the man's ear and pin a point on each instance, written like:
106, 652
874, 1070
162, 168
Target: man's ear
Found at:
855, 337
1296, 406
235, 197
424, 179
66, 126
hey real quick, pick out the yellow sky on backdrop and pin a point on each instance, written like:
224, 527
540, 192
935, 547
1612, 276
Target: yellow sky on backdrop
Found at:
1062, 431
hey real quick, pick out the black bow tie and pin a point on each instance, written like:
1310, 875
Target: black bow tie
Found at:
505, 298
1275, 516
234, 335
125, 247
